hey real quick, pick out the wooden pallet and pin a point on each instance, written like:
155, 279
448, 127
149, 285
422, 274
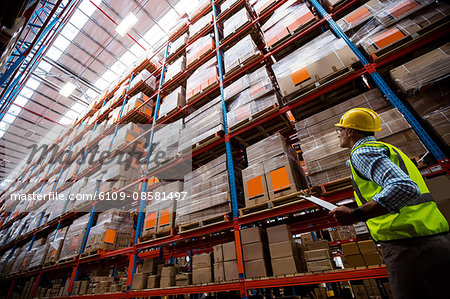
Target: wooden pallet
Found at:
202, 223
179, 78
157, 236
48, 265
257, 55
32, 269
334, 186
94, 252
273, 203
201, 92
168, 115
255, 117
138, 117
67, 259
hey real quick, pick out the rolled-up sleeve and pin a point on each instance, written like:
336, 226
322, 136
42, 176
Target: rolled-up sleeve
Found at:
398, 189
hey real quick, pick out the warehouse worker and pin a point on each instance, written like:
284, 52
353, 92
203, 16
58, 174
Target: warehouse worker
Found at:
398, 209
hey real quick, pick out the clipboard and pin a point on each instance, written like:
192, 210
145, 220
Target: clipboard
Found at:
320, 202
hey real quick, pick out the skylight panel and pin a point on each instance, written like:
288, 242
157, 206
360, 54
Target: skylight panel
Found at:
14, 110
126, 24
87, 7
2, 133
65, 120
109, 76
128, 58
168, 20
137, 50
78, 108
67, 89
153, 35
61, 43
118, 67
45, 66
70, 31
101, 84
21, 100
54, 53
9, 118
32, 83
184, 5
79, 19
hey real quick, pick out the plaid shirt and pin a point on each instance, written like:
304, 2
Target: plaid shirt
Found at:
374, 164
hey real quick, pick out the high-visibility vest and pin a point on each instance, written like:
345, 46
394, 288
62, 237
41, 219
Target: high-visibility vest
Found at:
421, 217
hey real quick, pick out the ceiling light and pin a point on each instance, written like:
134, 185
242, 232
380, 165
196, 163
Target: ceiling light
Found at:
126, 24
67, 89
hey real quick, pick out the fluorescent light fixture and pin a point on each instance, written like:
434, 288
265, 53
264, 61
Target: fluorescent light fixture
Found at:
126, 24
67, 89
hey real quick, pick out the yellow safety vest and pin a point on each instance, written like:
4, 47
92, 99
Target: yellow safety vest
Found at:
421, 217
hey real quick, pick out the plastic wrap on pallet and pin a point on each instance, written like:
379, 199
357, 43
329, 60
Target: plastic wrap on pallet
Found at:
198, 48
4, 261
201, 124
56, 243
375, 35
180, 23
75, 235
196, 8
244, 107
202, 78
177, 67
257, 82
261, 6
235, 22
285, 20
166, 140
227, 4
173, 101
113, 230
315, 60
20, 258
39, 256
239, 53
146, 78
267, 148
425, 70
178, 44
200, 24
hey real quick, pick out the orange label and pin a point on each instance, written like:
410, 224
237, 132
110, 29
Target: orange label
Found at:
165, 217
403, 8
129, 138
255, 187
358, 15
279, 179
388, 38
110, 236
150, 220
300, 76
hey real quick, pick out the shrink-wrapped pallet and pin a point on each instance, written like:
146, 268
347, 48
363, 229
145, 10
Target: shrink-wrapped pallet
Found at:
200, 25
74, 238
180, 23
199, 48
39, 256
236, 21
239, 54
141, 103
203, 78
227, 4
262, 6
173, 102
165, 143
319, 58
56, 243
175, 68
176, 45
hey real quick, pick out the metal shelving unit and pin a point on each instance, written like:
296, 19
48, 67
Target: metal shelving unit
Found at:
142, 250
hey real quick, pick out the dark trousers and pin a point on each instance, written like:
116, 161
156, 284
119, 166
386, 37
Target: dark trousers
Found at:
419, 267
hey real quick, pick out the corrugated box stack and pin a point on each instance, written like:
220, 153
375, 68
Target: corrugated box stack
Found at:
235, 22
255, 252
136, 103
325, 160
273, 171
438, 187
360, 254
290, 17
261, 6
113, 231
202, 79
202, 124
176, 45
175, 69
144, 78
168, 274
318, 256
230, 263
208, 193
172, 102
165, 144
285, 253
199, 49
239, 54
56, 243
200, 25
160, 213
202, 271
341, 233
218, 267
314, 61
432, 104
74, 238
38, 258
248, 97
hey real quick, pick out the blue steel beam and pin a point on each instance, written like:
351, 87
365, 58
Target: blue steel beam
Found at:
385, 89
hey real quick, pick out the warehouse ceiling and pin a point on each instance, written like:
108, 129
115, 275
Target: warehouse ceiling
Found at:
91, 55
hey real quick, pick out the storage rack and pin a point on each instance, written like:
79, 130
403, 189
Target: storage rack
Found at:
243, 285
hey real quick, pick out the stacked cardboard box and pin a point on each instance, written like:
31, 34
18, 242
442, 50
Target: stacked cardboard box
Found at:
369, 289
173, 102
273, 171
218, 268
340, 233
438, 189
325, 160
56, 242
168, 274
255, 252
249, 96
227, 4
208, 193
160, 214
202, 268
314, 61
145, 78
200, 25
38, 258
176, 45
261, 6
201, 124
230, 264
175, 68
318, 256
360, 254
203, 78
239, 54
284, 251
113, 231
165, 144
180, 23
288, 18
74, 238
236, 21
198, 49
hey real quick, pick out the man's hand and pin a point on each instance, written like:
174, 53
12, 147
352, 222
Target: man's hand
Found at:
343, 215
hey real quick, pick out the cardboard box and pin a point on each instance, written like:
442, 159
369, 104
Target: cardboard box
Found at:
355, 260
201, 261
218, 253
319, 244
231, 270
202, 276
438, 187
229, 251
444, 207
322, 265
219, 272
168, 271
350, 248
168, 281
139, 281
279, 233
251, 235
319, 254
283, 249
256, 268
372, 258
183, 279
286, 265
306, 238
254, 251
153, 281
149, 265
367, 246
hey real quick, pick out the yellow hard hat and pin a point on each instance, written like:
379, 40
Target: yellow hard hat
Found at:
362, 119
